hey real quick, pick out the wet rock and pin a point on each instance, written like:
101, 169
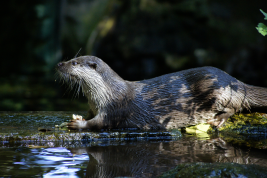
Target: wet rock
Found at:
40, 126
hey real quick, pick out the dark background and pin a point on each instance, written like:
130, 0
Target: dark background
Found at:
139, 39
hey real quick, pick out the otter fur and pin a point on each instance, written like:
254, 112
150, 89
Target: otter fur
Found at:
189, 97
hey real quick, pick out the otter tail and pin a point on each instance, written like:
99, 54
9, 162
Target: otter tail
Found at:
256, 96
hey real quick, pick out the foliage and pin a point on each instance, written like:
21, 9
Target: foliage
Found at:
261, 27
199, 130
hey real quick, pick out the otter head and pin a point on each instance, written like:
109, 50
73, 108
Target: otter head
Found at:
84, 67
98, 81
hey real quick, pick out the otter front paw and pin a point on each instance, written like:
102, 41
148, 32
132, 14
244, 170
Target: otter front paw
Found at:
77, 122
77, 117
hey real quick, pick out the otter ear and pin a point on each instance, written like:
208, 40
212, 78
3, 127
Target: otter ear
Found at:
93, 65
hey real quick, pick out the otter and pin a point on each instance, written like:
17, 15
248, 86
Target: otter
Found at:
175, 100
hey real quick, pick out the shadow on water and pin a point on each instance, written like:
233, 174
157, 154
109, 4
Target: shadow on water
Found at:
109, 157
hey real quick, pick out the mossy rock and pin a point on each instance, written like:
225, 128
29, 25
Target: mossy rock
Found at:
245, 124
215, 170
244, 130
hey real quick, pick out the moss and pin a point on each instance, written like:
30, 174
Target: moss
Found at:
253, 123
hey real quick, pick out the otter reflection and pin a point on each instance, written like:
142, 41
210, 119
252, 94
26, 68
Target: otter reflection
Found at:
151, 159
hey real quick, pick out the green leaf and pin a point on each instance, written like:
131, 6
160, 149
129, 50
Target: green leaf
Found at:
265, 14
262, 29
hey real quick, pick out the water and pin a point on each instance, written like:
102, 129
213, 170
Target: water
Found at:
110, 157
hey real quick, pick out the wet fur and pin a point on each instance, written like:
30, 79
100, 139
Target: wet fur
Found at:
175, 100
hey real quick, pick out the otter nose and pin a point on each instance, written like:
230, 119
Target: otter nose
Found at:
60, 64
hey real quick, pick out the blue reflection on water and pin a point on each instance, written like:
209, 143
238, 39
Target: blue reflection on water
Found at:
64, 163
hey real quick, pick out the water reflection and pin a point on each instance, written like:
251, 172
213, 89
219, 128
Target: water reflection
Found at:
124, 158
153, 158
62, 160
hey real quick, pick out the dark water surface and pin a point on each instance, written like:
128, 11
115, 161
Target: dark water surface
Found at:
145, 157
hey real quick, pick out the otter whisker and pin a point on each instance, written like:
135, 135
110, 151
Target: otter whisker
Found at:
77, 92
77, 53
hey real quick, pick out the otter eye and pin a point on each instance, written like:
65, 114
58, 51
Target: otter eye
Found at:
74, 63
